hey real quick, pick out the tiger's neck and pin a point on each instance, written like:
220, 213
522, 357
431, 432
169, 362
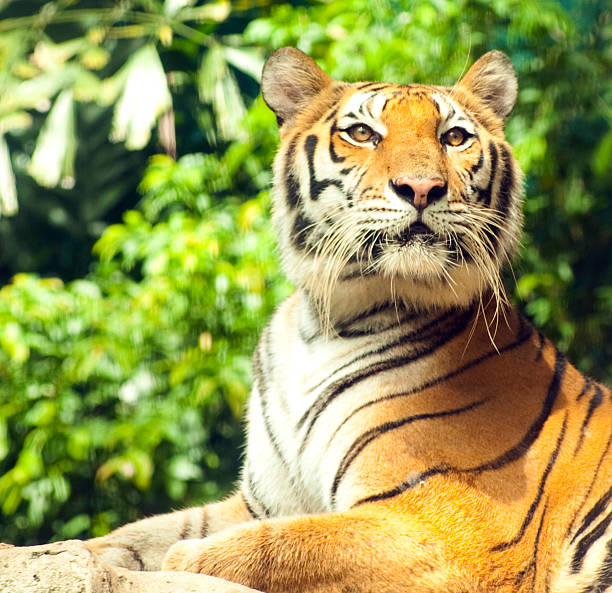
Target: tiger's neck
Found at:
368, 307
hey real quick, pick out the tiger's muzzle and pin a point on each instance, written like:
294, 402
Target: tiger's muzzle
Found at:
420, 192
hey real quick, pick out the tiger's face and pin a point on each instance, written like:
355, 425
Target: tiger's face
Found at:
394, 191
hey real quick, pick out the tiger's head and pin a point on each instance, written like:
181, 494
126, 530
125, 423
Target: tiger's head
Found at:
394, 192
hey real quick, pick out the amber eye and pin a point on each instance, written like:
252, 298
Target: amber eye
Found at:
361, 133
455, 137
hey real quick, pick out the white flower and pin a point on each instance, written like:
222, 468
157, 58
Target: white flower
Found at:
53, 158
172, 7
8, 189
145, 96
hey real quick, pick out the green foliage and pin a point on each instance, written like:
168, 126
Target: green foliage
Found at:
122, 390
82, 87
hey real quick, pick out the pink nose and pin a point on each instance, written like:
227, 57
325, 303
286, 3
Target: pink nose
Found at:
419, 191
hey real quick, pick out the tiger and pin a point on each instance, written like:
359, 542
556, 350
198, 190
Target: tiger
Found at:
408, 429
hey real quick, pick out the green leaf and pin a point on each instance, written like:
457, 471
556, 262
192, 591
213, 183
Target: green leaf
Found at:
602, 161
13, 343
42, 413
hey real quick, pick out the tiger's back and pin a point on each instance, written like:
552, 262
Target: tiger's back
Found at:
408, 430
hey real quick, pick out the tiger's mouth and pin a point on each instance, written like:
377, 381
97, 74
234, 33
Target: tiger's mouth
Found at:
416, 231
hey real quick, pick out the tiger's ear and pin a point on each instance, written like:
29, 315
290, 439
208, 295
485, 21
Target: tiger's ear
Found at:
290, 80
493, 80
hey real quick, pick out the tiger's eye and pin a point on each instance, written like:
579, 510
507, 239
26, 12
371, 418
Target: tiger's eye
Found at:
361, 133
455, 137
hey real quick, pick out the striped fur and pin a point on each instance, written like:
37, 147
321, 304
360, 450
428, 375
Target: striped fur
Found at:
408, 430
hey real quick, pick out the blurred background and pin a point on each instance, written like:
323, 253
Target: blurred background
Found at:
136, 261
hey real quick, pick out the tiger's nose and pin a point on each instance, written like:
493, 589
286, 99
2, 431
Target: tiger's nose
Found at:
419, 191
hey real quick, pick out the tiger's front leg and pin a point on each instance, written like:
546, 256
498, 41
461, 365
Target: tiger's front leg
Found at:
354, 552
143, 544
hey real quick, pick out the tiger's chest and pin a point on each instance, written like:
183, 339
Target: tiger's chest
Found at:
336, 420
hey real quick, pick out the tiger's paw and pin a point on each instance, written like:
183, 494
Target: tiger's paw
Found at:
187, 555
212, 556
115, 554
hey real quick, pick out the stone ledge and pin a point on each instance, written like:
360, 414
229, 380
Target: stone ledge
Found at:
69, 567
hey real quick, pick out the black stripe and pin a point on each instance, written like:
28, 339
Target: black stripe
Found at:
370, 435
583, 546
261, 391
204, 524
136, 556
292, 186
367, 106
507, 182
310, 334
362, 107
332, 114
185, 529
332, 151
316, 186
595, 402
340, 386
502, 199
358, 182
335, 157
596, 511
428, 331
248, 507
301, 231
363, 315
536, 502
524, 333
484, 195
589, 491
510, 456
604, 574
533, 563
418, 92
536, 428
374, 87
475, 168
258, 376
588, 382
398, 316
250, 483
411, 483
540, 349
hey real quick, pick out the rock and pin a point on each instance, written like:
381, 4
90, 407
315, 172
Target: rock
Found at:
69, 567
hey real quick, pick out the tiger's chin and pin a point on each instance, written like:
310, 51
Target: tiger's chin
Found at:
415, 283
430, 274
419, 259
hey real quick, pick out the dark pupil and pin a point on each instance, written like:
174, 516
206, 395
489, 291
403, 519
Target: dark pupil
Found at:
455, 136
361, 131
